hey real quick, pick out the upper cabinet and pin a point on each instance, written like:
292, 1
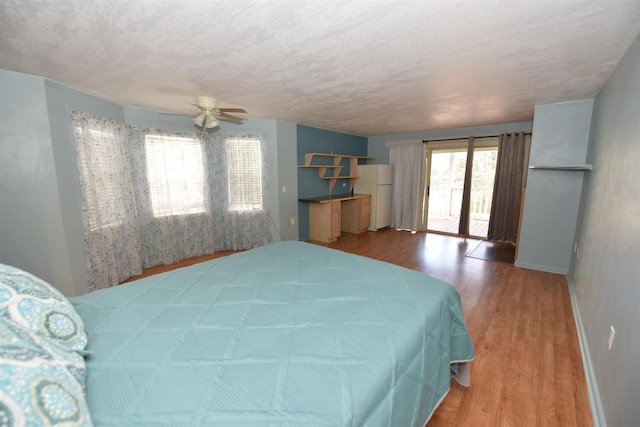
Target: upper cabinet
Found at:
330, 167
561, 135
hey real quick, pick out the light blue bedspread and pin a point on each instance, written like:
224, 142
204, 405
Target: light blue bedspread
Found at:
290, 334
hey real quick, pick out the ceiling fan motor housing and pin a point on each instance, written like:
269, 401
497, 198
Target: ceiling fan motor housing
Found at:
206, 102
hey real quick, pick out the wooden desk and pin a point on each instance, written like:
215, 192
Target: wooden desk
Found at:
330, 215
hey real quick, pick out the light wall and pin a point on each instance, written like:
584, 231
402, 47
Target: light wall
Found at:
560, 137
60, 102
32, 233
606, 275
288, 179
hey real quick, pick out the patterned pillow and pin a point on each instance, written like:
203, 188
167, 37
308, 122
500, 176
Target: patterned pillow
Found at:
41, 308
41, 381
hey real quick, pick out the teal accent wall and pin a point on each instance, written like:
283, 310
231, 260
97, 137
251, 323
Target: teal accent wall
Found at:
314, 140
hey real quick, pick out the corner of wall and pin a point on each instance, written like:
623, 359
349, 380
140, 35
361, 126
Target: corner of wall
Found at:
597, 411
32, 217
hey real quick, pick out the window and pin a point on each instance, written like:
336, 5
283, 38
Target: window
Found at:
141, 188
448, 168
244, 161
175, 175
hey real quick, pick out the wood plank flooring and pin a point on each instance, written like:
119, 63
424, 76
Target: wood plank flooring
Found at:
528, 369
156, 269
494, 251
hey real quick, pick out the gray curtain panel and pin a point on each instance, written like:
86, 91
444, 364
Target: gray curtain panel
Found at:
463, 227
507, 189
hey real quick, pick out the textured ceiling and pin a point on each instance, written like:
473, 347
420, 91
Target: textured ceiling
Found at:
363, 67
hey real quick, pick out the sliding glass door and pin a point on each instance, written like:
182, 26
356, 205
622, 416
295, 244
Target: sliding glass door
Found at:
446, 179
446, 166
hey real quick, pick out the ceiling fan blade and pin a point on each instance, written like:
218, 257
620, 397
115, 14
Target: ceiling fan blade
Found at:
230, 117
232, 110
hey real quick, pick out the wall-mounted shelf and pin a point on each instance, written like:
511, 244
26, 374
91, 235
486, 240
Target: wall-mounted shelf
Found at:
336, 167
562, 168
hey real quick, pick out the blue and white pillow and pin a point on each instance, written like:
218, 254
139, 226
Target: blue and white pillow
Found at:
41, 381
41, 308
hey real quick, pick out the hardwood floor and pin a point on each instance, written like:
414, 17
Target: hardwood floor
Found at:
183, 263
528, 369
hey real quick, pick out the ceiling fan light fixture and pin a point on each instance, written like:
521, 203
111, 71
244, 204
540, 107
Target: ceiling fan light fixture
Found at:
211, 122
199, 119
209, 113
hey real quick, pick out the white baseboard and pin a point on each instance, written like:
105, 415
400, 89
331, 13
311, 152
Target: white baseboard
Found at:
541, 268
594, 394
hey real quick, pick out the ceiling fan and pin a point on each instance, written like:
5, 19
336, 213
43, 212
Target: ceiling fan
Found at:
209, 113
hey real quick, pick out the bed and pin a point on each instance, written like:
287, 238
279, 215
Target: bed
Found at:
290, 334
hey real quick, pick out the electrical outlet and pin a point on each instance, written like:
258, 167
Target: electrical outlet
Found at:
284, 188
292, 221
612, 333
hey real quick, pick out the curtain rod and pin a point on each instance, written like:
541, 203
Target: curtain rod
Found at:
424, 141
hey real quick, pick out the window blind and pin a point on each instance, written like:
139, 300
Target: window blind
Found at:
175, 175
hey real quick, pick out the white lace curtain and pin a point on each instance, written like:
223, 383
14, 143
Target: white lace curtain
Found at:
154, 197
407, 212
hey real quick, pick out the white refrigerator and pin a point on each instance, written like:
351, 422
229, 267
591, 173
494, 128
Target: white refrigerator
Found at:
376, 180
